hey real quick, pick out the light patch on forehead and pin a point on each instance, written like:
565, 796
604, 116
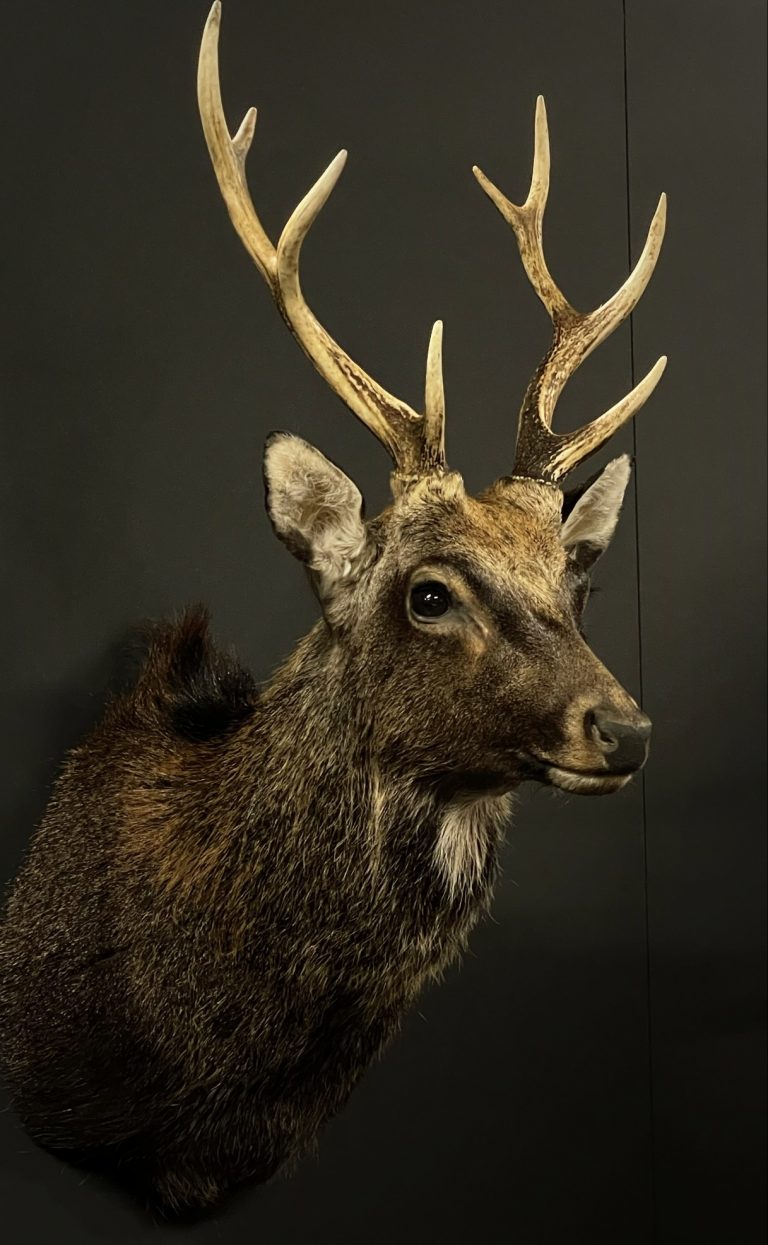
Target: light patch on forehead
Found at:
542, 500
521, 545
510, 533
446, 488
469, 831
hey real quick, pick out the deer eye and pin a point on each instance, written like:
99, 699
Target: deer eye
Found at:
430, 599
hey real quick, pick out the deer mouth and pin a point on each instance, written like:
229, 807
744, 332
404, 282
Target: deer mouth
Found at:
577, 781
584, 782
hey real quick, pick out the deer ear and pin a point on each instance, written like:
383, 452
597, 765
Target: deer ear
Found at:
316, 510
591, 512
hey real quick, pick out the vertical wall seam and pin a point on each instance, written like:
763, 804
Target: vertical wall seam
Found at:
641, 668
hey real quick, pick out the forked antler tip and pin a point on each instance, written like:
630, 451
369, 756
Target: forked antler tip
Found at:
537, 194
414, 441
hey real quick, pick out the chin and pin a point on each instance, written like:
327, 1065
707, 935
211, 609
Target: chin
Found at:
584, 783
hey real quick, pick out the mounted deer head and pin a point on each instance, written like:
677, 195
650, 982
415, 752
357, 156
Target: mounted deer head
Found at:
236, 892
462, 613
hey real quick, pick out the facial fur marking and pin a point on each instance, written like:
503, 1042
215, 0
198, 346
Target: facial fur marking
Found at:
469, 829
377, 820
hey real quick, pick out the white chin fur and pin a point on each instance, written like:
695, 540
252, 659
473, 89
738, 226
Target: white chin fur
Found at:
586, 784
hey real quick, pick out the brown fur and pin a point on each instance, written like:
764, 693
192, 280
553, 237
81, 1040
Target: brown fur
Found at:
235, 894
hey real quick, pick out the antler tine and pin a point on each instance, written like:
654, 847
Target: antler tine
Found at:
541, 453
402, 430
434, 397
228, 154
573, 448
414, 441
526, 220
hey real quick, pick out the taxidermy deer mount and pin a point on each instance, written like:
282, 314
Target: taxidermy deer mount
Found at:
236, 893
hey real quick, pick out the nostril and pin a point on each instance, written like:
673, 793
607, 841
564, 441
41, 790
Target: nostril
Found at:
623, 744
598, 729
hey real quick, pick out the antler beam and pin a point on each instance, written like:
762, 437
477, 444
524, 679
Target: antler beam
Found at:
415, 441
542, 453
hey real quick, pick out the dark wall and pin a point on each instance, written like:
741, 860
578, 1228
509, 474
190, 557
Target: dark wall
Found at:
696, 120
594, 1071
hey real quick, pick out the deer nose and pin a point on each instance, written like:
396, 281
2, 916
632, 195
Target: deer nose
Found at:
623, 742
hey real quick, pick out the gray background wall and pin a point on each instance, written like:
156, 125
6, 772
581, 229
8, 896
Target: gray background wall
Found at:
594, 1071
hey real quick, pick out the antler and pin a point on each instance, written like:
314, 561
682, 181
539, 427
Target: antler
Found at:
541, 453
415, 441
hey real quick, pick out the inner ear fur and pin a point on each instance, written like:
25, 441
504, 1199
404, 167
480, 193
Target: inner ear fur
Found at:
315, 509
591, 511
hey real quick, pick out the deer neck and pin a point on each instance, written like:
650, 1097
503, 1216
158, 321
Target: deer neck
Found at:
323, 776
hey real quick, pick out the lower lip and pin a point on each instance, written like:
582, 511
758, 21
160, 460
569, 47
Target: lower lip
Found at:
541, 763
584, 783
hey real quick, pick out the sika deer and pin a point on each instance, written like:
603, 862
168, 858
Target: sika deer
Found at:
235, 894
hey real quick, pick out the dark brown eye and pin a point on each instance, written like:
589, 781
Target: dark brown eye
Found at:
430, 599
